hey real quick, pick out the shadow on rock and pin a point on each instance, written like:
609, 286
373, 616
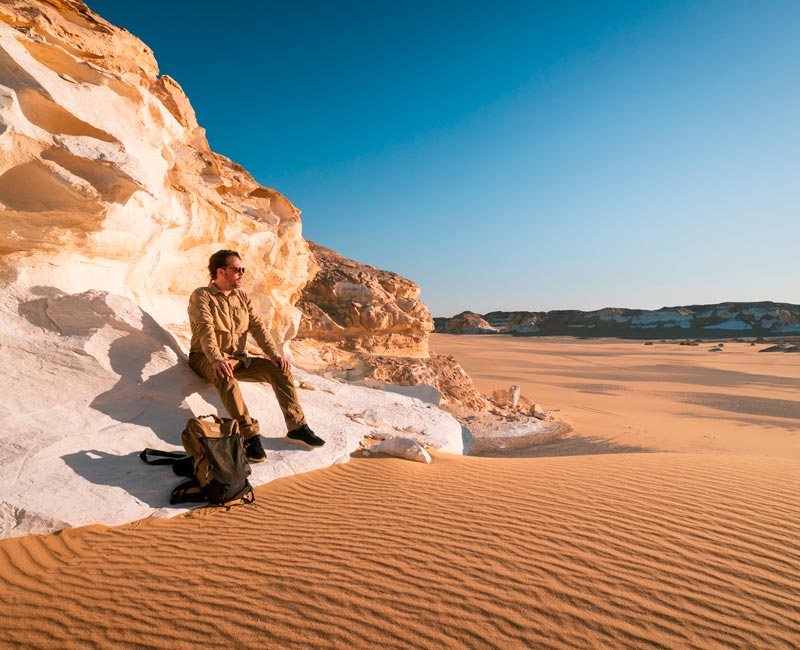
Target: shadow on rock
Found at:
159, 402
278, 444
150, 484
467, 439
107, 336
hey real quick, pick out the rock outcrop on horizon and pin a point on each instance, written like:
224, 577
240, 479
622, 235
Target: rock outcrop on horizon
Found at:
722, 320
362, 323
467, 322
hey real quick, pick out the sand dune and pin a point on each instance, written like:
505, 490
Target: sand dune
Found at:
616, 551
693, 544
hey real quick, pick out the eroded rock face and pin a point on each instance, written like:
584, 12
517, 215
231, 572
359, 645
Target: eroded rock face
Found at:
107, 181
466, 322
362, 308
362, 323
439, 370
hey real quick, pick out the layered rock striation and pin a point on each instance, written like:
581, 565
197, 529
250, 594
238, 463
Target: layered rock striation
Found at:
362, 308
722, 320
363, 323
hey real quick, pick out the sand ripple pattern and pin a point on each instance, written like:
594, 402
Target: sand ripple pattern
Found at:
638, 551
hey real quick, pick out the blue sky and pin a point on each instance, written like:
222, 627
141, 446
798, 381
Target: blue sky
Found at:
513, 155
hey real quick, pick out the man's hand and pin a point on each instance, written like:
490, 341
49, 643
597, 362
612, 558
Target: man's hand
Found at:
282, 363
222, 368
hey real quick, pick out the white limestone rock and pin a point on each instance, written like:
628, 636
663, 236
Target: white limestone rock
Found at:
90, 380
403, 448
111, 204
107, 181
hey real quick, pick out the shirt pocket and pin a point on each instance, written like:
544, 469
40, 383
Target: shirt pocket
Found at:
220, 318
240, 319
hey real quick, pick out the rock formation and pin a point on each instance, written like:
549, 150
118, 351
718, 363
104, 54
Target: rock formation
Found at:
362, 323
110, 204
467, 322
362, 308
108, 184
723, 320
107, 181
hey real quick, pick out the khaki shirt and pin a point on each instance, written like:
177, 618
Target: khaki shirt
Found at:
220, 324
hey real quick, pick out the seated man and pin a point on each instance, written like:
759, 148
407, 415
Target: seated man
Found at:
221, 316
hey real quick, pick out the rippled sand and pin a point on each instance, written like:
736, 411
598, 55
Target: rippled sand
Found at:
672, 541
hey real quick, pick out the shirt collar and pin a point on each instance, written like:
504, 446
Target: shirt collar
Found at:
218, 292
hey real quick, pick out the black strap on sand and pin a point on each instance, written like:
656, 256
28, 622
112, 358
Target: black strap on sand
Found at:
162, 457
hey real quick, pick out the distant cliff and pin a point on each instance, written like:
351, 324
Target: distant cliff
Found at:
722, 320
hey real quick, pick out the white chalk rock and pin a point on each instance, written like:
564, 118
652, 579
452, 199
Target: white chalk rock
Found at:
111, 203
538, 411
403, 448
107, 182
91, 379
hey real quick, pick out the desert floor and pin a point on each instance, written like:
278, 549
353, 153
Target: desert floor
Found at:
625, 396
669, 518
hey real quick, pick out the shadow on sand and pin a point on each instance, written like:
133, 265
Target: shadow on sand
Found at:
152, 485
570, 446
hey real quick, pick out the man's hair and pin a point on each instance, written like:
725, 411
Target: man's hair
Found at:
219, 260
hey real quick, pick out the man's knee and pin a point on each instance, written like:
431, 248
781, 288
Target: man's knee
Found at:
225, 384
284, 379
266, 371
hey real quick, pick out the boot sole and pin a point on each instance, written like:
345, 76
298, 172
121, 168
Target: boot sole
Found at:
256, 460
301, 443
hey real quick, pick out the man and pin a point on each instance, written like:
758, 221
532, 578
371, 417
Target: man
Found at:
221, 317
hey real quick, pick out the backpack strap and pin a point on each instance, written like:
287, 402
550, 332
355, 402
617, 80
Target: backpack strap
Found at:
162, 457
249, 496
213, 416
188, 492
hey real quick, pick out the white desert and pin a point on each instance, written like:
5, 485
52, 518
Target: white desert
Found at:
666, 518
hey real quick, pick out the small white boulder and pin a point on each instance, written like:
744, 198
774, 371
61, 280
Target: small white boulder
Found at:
403, 448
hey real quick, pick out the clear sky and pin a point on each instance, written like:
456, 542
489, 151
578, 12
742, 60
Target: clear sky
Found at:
513, 155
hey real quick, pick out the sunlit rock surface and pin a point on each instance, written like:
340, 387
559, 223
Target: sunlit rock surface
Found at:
107, 181
361, 323
467, 322
110, 204
90, 380
362, 308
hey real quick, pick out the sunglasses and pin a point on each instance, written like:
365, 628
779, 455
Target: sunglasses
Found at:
235, 269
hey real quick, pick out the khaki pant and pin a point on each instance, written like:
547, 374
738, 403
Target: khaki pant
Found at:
259, 369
